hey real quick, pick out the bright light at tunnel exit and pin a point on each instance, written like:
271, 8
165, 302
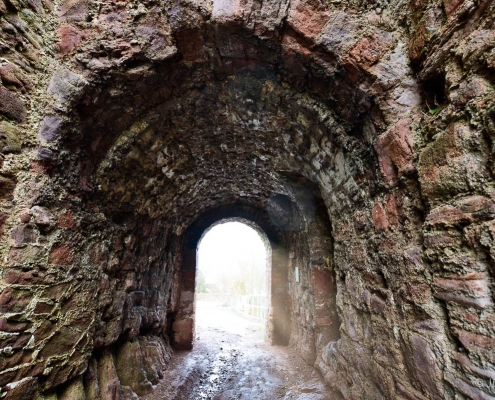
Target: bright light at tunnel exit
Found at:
231, 282
232, 258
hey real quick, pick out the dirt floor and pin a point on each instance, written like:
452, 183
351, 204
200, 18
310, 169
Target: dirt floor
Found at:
230, 360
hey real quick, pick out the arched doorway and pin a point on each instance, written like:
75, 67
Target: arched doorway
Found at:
278, 321
233, 280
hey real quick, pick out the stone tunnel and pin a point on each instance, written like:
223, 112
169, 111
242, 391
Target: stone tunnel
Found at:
357, 135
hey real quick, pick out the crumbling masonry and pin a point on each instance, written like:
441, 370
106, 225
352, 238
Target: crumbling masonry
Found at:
358, 135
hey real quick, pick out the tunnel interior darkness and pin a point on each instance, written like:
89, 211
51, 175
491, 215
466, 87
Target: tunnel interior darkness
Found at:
151, 122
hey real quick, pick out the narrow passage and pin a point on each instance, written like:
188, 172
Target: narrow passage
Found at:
230, 360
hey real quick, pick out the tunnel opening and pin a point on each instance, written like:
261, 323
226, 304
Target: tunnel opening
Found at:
232, 280
176, 115
277, 326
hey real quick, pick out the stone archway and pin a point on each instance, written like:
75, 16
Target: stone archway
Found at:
123, 123
278, 323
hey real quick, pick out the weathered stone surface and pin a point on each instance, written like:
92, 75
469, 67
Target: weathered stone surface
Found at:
126, 125
61, 255
426, 366
74, 391
69, 38
25, 389
395, 149
11, 106
7, 186
109, 384
130, 368
50, 128
41, 215
74, 10
66, 86
155, 33
10, 138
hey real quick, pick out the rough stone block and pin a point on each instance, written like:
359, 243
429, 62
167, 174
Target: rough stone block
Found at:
14, 300
451, 6
69, 38
130, 369
367, 51
50, 128
10, 138
339, 33
74, 10
395, 149
66, 86
11, 105
41, 215
183, 333
24, 234
308, 17
24, 389
61, 254
427, 369
379, 216
61, 343
154, 31
73, 391
477, 344
109, 384
7, 187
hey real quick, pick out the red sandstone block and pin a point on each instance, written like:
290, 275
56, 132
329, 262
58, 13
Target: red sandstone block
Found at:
10, 326
69, 38
395, 212
478, 302
417, 42
308, 17
43, 308
13, 75
478, 344
324, 321
369, 50
379, 217
471, 209
394, 149
420, 292
16, 276
14, 300
25, 389
468, 365
322, 281
60, 254
451, 6
66, 220
475, 287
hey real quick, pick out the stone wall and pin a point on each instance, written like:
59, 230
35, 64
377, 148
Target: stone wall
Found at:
125, 122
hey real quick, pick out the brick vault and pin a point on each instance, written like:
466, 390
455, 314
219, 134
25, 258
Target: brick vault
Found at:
357, 135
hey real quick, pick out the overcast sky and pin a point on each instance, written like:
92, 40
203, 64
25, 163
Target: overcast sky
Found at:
228, 247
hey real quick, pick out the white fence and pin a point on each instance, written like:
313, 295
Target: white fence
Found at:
251, 306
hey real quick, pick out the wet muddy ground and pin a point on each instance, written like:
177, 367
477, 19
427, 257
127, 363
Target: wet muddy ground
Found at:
230, 360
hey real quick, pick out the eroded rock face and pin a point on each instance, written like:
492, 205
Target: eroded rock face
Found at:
358, 135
